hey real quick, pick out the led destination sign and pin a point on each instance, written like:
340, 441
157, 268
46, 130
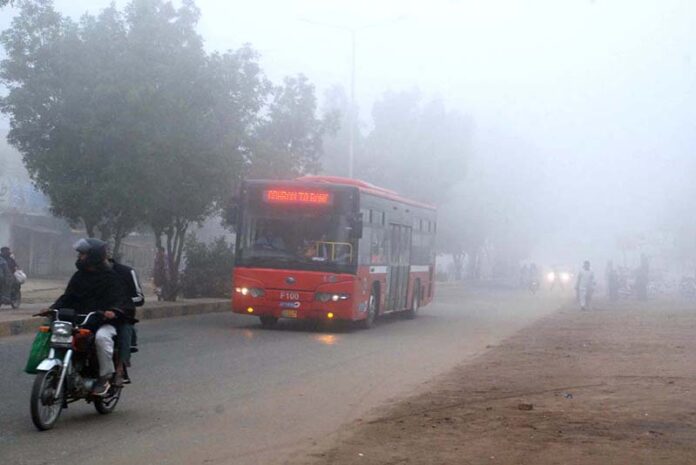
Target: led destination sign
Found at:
297, 197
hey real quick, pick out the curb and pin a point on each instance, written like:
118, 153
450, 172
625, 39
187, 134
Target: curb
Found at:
30, 324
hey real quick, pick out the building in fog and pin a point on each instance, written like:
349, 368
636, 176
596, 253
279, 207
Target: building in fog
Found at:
40, 241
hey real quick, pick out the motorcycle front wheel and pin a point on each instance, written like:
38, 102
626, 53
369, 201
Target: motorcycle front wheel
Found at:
107, 403
45, 408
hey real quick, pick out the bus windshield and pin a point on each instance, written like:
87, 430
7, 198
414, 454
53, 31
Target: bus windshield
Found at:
309, 240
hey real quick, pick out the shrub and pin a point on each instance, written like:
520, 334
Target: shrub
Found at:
208, 268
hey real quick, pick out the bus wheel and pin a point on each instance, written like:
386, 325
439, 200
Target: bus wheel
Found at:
369, 320
268, 322
412, 312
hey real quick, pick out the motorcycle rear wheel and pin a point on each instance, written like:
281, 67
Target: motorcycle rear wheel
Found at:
107, 403
45, 409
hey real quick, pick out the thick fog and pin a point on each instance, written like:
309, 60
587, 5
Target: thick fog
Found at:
587, 107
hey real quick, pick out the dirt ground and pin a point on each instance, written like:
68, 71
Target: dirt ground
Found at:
612, 385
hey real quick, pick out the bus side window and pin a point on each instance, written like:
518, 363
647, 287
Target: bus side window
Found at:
364, 245
378, 246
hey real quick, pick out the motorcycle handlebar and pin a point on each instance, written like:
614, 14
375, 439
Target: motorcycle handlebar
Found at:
84, 320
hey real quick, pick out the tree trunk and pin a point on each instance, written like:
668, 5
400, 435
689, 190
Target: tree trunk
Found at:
175, 238
89, 227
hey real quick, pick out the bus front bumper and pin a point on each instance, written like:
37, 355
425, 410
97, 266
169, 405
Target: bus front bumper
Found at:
303, 311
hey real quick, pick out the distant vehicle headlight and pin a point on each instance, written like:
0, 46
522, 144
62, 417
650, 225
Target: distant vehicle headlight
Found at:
565, 277
551, 277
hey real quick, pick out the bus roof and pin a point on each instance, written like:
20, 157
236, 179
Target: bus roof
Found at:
365, 187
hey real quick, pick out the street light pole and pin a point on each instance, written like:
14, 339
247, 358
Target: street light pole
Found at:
351, 112
351, 131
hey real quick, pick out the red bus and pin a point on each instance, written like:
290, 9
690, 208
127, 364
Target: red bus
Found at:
330, 248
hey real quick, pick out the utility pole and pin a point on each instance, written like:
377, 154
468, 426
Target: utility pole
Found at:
351, 130
351, 112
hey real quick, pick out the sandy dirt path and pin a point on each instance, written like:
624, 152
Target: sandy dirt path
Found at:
614, 385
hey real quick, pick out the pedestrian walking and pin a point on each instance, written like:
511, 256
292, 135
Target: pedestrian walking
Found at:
159, 272
585, 286
612, 278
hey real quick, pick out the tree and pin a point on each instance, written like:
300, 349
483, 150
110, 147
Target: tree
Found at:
288, 142
495, 210
414, 141
64, 96
124, 119
179, 131
336, 156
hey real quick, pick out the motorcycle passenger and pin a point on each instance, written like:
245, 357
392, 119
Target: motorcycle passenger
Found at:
96, 287
126, 328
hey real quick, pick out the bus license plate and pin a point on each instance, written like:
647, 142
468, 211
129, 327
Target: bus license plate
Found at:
289, 313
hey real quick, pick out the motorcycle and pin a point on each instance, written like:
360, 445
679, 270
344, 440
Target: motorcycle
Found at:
534, 285
69, 372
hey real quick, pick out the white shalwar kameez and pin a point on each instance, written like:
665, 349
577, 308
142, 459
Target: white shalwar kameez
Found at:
585, 286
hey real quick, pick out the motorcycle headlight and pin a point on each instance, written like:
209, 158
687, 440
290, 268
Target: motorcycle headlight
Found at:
61, 332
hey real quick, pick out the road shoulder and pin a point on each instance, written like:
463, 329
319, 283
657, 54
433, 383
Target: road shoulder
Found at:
611, 385
20, 321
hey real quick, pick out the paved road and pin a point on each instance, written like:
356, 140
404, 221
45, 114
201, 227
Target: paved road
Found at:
218, 389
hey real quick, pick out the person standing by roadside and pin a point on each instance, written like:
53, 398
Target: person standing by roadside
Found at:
159, 271
585, 285
612, 277
643, 278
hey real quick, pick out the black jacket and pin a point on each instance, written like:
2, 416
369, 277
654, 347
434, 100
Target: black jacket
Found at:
131, 283
11, 263
90, 291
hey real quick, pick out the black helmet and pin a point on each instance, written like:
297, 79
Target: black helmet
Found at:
93, 248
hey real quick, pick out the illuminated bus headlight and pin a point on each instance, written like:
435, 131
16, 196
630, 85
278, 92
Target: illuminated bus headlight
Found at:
61, 333
551, 277
253, 291
326, 296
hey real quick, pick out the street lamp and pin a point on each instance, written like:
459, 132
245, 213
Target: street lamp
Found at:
351, 113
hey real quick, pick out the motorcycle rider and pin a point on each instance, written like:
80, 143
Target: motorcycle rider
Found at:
126, 329
96, 287
10, 280
4, 282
